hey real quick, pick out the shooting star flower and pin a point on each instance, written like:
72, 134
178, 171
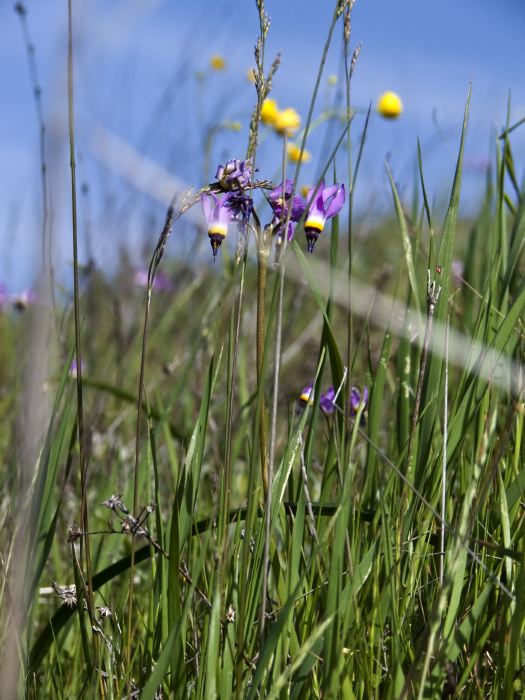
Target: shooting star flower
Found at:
326, 202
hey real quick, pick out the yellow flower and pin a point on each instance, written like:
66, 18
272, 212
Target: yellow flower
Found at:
287, 121
304, 191
294, 153
250, 74
217, 62
332, 79
389, 105
269, 111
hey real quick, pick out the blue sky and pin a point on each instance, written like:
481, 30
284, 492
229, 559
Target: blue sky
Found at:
135, 69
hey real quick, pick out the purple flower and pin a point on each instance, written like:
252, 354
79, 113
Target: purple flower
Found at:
235, 175
279, 200
241, 206
356, 399
73, 367
326, 202
161, 283
306, 394
327, 401
281, 205
218, 215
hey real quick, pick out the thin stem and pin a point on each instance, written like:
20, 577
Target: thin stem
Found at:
444, 470
262, 267
155, 261
78, 355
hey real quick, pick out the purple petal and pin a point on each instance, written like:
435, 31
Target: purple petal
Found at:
208, 203
333, 200
326, 402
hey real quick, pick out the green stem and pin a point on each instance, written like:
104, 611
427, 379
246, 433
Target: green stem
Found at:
262, 259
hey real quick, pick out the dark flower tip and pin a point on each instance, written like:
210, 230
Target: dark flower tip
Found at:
311, 239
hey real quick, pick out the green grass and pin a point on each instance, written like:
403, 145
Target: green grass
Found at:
335, 585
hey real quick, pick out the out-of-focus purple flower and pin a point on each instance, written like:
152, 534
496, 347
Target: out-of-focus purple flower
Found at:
21, 301
235, 175
326, 203
73, 367
327, 401
306, 395
218, 215
356, 399
161, 283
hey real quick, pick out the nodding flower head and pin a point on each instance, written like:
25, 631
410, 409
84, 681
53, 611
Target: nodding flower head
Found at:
326, 202
356, 398
281, 201
327, 401
235, 175
306, 397
218, 215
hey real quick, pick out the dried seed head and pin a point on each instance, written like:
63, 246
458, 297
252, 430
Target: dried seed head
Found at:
230, 614
67, 594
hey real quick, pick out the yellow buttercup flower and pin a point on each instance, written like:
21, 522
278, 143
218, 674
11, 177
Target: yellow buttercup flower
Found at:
269, 111
332, 79
389, 105
304, 191
217, 62
287, 122
294, 153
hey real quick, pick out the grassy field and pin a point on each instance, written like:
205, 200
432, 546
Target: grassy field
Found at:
187, 526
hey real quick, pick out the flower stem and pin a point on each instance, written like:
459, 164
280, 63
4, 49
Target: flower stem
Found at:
262, 259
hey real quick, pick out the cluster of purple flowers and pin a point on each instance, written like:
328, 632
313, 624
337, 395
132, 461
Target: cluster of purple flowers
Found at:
327, 402
234, 203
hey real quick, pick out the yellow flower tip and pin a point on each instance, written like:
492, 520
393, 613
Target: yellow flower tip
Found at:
332, 79
269, 111
314, 223
304, 191
218, 230
389, 105
294, 153
287, 122
250, 75
217, 62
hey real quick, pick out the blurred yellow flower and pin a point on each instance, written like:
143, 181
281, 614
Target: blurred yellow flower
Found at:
287, 122
269, 111
294, 153
332, 79
304, 191
389, 105
217, 62
250, 74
